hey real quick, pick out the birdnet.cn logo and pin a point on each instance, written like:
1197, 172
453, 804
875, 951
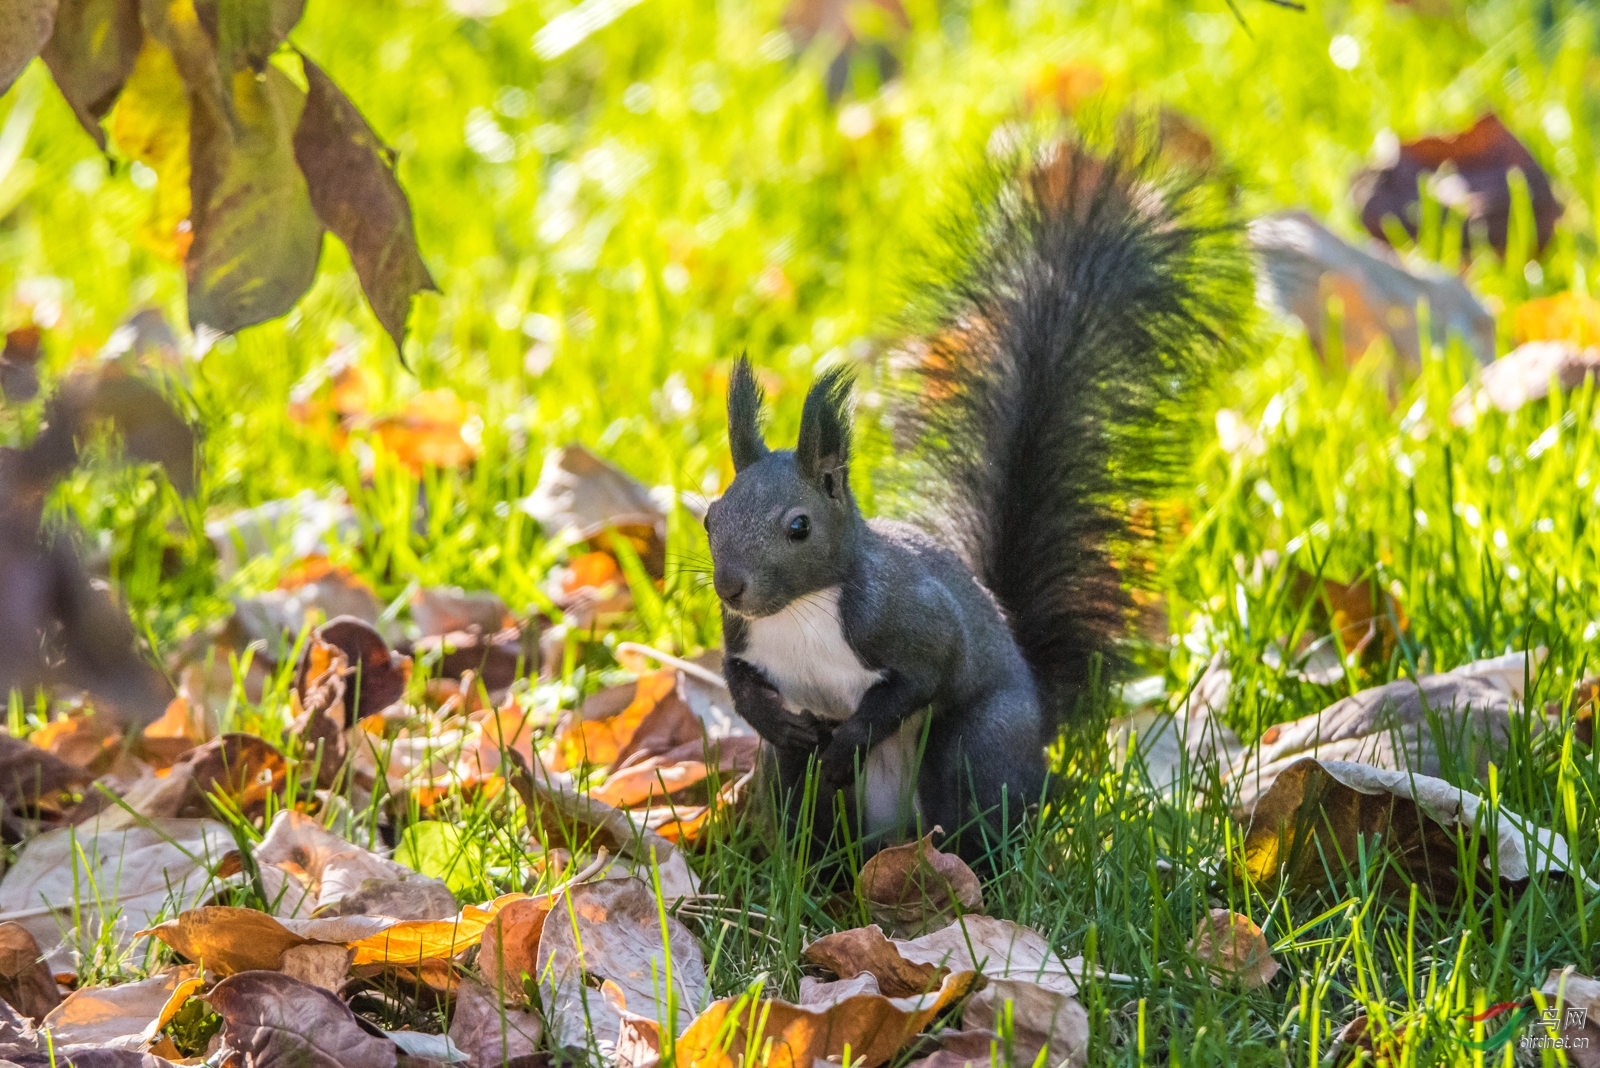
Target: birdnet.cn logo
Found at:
1552, 1028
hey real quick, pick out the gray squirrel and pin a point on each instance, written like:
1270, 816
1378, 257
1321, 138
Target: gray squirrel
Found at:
925, 668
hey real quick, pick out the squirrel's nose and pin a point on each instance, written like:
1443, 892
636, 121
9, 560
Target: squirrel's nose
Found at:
730, 587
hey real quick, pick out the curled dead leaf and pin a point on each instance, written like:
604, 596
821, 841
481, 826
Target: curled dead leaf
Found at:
26, 982
914, 888
872, 1026
1232, 948
1469, 173
1317, 811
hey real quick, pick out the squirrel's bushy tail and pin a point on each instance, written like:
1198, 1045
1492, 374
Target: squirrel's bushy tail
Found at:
1080, 303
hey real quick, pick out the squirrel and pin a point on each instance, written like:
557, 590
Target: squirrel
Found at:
926, 667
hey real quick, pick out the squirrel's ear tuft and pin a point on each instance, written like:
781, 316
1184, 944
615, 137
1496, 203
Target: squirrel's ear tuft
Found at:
744, 416
824, 449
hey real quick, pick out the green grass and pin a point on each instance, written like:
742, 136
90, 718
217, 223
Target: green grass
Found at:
612, 225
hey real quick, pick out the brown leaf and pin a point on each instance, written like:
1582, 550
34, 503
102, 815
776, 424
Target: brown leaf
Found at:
866, 951
999, 949
1359, 1043
1524, 375
442, 610
151, 430
374, 676
1304, 265
509, 952
182, 727
1469, 174
580, 496
600, 730
1576, 999
350, 174
26, 982
1041, 1020
139, 872
1232, 948
242, 769
562, 817
495, 658
613, 932
1397, 725
318, 964
914, 888
90, 55
256, 237
874, 1027
273, 1021
1316, 812
227, 940
31, 777
126, 1016
28, 25
335, 877
489, 1034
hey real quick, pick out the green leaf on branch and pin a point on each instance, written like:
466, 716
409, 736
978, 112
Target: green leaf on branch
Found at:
91, 54
353, 186
256, 237
27, 27
151, 124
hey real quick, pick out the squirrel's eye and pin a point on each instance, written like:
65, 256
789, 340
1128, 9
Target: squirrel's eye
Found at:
799, 528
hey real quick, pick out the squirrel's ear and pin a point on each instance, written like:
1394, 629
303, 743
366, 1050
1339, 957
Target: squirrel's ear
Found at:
823, 453
744, 416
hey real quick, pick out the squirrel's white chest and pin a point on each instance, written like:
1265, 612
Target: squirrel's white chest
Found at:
803, 651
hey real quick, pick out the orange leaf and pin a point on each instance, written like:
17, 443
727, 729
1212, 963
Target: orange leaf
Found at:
1569, 317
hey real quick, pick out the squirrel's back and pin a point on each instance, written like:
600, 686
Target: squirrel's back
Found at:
1080, 302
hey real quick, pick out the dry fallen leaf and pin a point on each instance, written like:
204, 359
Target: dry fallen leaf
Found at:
998, 949
1232, 948
872, 1026
490, 1034
1304, 265
331, 876
598, 731
1391, 726
1567, 990
614, 932
1570, 317
31, 777
227, 939
435, 429
244, 771
509, 952
1316, 812
913, 888
26, 982
127, 1016
580, 496
1524, 375
137, 872
1041, 1021
561, 817
374, 677
1468, 173
273, 1021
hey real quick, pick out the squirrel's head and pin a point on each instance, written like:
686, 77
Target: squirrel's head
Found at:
781, 530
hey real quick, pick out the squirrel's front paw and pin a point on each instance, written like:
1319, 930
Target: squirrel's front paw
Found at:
836, 766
